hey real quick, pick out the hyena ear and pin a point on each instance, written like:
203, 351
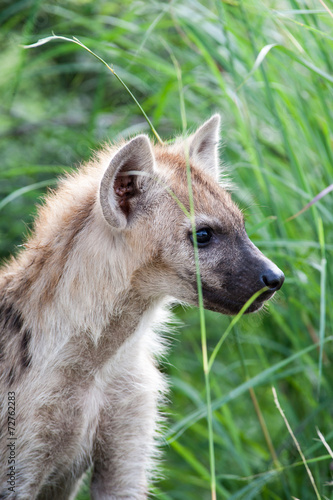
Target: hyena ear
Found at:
203, 145
123, 182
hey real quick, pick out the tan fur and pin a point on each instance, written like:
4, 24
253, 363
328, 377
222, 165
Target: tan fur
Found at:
82, 304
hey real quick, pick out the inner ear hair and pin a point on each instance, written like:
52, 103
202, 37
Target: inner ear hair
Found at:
125, 187
128, 183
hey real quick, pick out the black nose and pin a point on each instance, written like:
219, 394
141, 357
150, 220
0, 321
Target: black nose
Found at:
273, 279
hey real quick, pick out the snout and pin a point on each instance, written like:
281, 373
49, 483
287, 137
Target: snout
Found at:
261, 272
251, 272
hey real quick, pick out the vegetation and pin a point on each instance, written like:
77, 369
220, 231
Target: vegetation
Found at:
266, 66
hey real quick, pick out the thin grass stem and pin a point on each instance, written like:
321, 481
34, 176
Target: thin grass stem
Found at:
232, 324
81, 44
322, 320
296, 443
257, 408
199, 289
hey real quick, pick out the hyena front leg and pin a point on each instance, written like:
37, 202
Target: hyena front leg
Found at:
124, 446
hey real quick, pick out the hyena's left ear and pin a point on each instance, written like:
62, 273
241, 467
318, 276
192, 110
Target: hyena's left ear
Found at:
203, 145
122, 185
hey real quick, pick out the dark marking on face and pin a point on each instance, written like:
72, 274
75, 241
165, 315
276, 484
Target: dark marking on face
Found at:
226, 303
25, 353
232, 270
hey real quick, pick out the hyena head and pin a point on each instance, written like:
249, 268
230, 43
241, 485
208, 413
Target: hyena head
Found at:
144, 196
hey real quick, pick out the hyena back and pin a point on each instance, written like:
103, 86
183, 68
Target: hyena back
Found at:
80, 305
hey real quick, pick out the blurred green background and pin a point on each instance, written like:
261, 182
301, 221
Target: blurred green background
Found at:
266, 66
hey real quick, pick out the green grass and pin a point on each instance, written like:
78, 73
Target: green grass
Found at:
58, 103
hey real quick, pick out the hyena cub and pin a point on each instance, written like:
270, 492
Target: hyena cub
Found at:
80, 304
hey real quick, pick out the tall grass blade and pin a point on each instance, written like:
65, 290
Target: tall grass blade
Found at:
323, 440
319, 196
261, 378
322, 323
259, 60
199, 289
233, 322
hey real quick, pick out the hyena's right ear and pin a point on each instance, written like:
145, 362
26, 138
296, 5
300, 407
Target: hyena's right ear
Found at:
204, 145
121, 186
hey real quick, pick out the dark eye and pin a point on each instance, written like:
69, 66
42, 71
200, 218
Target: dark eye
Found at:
204, 236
